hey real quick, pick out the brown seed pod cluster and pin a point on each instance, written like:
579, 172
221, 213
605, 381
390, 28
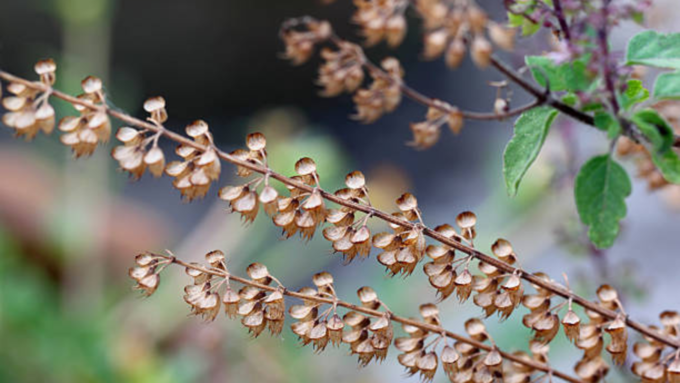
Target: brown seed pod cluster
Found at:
302, 212
346, 65
402, 248
300, 44
83, 133
197, 170
350, 237
367, 329
381, 20
655, 365
426, 133
462, 361
383, 95
147, 272
343, 71
451, 26
29, 111
258, 309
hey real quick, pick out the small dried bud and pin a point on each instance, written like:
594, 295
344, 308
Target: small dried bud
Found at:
92, 85
196, 129
355, 180
305, 166
455, 53
154, 160
156, 106
256, 141
455, 121
435, 44
467, 221
502, 36
571, 323
481, 51
477, 19
258, 272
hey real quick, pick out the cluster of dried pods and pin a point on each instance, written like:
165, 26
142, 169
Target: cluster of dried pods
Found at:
345, 66
499, 287
448, 25
367, 330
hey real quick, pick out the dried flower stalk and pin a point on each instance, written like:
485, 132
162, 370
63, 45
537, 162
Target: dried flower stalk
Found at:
150, 265
500, 290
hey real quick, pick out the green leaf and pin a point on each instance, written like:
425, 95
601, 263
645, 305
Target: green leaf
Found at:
531, 128
569, 76
669, 165
654, 49
606, 122
528, 27
601, 188
570, 99
655, 129
635, 93
667, 86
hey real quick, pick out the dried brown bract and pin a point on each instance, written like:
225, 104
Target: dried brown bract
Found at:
29, 111
450, 26
381, 20
83, 133
300, 44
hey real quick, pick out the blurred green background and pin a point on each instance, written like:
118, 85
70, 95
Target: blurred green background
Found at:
70, 229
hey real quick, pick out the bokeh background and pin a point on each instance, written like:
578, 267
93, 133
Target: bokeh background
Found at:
70, 229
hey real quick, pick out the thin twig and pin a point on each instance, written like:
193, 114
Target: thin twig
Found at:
386, 217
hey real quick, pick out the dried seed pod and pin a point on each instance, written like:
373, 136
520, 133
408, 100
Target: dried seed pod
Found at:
476, 329
450, 358
463, 285
368, 297
427, 365
355, 180
504, 251
502, 36
571, 323
46, 69
608, 297
305, 166
467, 221
435, 44
546, 327
335, 326
481, 51
154, 160
216, 259
455, 53
230, 301
156, 106
259, 273
256, 141
149, 284
477, 18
